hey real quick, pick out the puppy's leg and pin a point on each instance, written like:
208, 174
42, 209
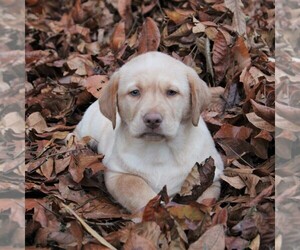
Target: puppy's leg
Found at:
130, 191
212, 192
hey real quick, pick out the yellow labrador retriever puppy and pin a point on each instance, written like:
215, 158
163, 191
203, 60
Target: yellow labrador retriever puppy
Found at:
147, 123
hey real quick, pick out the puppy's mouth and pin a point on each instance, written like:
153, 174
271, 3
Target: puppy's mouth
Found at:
152, 136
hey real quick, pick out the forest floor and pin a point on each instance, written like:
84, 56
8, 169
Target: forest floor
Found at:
73, 47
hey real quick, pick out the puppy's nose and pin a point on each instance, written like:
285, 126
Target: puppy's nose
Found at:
152, 120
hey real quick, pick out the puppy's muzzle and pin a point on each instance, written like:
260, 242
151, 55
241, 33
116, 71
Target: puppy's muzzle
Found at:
152, 120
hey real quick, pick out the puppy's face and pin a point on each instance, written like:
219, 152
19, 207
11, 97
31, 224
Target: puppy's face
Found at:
154, 94
153, 103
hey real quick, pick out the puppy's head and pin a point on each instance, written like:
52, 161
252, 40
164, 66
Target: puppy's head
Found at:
155, 94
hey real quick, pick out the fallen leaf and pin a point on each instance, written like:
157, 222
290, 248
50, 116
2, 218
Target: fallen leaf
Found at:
289, 113
234, 148
124, 9
229, 131
255, 243
138, 242
118, 37
241, 53
178, 16
150, 37
14, 121
221, 217
186, 212
236, 243
213, 239
198, 26
36, 121
94, 84
88, 228
239, 18
47, 168
259, 122
198, 180
266, 113
220, 56
247, 228
82, 65
235, 181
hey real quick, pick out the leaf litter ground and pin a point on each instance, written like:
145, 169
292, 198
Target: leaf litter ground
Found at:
73, 47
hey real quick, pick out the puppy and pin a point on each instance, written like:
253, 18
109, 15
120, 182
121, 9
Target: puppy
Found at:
147, 123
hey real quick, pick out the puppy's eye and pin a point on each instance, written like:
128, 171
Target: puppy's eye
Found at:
171, 92
135, 92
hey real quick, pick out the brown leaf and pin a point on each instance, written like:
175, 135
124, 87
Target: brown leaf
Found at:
177, 15
199, 179
36, 121
186, 212
183, 30
100, 208
265, 193
220, 217
66, 191
220, 56
138, 242
211, 32
213, 239
292, 114
236, 243
255, 244
192, 180
241, 54
148, 6
79, 163
266, 113
118, 37
259, 122
94, 84
150, 37
260, 147
83, 31
40, 215
263, 134
64, 239
92, 162
229, 131
82, 64
14, 121
47, 167
234, 148
198, 26
239, 18
62, 164
155, 209
231, 95
251, 181
247, 228
235, 181
124, 9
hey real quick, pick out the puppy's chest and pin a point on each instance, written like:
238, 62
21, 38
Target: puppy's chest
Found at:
162, 168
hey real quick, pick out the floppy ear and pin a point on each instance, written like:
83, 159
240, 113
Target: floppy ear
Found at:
108, 99
200, 95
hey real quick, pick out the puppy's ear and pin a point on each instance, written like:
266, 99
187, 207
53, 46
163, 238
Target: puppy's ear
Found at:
108, 100
200, 95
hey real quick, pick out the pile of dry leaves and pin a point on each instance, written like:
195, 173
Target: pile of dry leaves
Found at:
72, 48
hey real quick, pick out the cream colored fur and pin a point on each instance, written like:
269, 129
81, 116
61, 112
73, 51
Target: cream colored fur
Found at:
139, 164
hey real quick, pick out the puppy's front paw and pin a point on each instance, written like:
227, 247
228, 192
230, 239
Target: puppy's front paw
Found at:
131, 191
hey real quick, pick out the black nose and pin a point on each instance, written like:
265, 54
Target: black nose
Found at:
152, 120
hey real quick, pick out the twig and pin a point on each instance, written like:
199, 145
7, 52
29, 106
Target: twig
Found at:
89, 229
239, 156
